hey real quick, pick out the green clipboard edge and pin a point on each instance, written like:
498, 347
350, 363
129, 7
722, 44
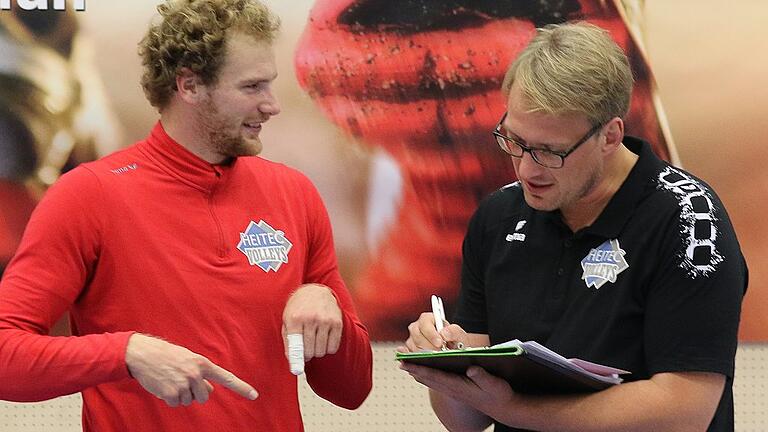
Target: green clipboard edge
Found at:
525, 372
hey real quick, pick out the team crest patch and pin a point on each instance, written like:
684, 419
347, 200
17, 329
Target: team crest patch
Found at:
264, 246
603, 264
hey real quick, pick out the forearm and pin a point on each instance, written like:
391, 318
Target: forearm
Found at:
457, 416
34, 367
352, 363
679, 402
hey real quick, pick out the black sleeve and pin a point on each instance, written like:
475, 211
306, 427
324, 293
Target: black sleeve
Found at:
471, 309
694, 301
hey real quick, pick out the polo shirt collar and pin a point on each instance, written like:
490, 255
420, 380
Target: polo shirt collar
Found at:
181, 163
634, 189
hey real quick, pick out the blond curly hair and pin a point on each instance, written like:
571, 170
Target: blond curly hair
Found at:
192, 34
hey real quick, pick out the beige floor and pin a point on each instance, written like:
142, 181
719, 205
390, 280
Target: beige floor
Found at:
396, 403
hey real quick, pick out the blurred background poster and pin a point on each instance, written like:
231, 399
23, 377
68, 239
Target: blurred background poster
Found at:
388, 108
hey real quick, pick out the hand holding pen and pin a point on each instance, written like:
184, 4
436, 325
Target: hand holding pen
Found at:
438, 311
431, 331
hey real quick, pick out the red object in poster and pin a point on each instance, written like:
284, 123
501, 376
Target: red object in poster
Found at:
19, 202
421, 79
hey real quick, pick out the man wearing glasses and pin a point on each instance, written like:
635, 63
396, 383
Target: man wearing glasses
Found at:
600, 251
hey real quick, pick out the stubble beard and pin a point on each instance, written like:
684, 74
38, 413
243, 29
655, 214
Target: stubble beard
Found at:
586, 188
232, 146
570, 199
221, 139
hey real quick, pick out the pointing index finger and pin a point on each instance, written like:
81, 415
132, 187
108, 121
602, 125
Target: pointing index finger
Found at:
229, 380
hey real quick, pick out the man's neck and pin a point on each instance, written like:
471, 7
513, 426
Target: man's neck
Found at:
185, 132
586, 210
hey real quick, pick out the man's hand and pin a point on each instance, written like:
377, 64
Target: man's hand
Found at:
423, 335
313, 312
177, 375
477, 388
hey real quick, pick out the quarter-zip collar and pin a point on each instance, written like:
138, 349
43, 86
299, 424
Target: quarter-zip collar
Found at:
181, 163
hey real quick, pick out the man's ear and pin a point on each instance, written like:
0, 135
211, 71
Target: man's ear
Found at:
614, 134
189, 86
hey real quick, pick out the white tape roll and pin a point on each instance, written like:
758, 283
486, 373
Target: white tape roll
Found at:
296, 353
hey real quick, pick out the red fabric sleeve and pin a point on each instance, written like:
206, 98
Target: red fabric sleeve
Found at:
51, 267
354, 361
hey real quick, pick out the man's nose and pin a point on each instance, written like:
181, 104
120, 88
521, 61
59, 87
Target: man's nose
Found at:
270, 106
527, 166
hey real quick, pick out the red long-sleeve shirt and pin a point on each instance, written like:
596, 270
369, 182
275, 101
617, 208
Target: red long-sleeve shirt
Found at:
155, 240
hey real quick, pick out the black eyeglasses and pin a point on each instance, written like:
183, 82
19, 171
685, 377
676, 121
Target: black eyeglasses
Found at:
543, 157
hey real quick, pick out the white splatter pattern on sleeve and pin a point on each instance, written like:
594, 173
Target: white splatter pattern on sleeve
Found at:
698, 230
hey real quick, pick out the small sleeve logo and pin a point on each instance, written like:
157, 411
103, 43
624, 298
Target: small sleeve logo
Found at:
125, 169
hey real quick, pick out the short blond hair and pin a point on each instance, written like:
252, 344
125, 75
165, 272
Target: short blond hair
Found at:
573, 68
192, 34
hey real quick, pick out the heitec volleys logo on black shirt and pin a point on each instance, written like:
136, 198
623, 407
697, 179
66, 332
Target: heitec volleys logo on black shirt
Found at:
264, 246
603, 264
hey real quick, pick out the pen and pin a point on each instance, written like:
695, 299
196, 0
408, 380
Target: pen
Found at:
439, 314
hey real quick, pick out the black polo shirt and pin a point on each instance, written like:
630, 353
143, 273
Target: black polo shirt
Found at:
655, 284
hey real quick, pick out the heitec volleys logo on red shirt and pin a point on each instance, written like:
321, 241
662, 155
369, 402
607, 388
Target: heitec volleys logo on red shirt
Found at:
78, 5
264, 246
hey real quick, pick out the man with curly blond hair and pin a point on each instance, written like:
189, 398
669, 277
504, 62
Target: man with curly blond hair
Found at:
186, 261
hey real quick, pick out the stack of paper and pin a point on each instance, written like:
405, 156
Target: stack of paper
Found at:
597, 371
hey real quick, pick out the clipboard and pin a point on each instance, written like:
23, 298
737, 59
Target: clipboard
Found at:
527, 366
